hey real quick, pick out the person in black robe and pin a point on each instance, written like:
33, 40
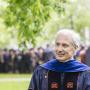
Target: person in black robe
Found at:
64, 72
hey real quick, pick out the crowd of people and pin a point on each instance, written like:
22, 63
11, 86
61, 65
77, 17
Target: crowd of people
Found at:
16, 61
83, 55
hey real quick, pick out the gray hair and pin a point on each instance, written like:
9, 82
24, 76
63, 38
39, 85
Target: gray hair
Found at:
72, 34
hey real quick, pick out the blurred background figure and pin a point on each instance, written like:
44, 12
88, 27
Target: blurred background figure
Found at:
80, 54
87, 56
6, 58
49, 53
1, 61
12, 61
33, 58
41, 55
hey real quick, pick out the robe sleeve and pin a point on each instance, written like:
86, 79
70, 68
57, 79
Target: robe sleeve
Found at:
34, 83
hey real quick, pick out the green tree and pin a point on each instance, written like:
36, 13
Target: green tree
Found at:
28, 17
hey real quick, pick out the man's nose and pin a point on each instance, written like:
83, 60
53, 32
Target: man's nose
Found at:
60, 48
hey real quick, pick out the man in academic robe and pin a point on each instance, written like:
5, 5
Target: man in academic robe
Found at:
64, 72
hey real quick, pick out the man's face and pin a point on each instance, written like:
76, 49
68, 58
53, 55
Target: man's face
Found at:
64, 48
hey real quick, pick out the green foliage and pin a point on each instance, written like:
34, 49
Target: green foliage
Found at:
36, 21
30, 16
76, 16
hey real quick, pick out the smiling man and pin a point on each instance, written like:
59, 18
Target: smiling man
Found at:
64, 72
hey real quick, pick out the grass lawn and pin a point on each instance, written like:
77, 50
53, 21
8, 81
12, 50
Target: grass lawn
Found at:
14, 81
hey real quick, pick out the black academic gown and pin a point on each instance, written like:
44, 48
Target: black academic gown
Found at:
54, 75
